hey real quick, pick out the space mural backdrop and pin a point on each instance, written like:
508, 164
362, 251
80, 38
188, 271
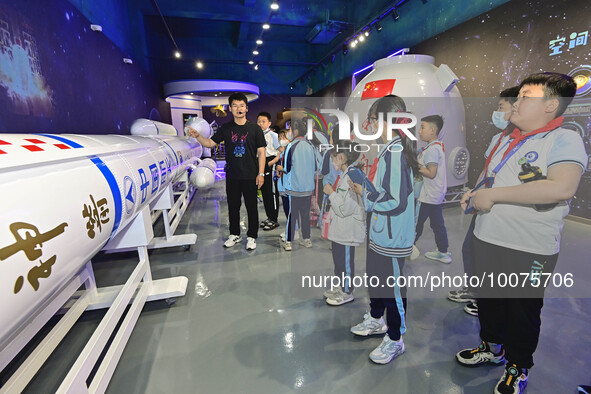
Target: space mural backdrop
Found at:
59, 76
500, 48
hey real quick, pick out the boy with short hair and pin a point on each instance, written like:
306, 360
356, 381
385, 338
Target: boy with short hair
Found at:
432, 168
519, 222
501, 119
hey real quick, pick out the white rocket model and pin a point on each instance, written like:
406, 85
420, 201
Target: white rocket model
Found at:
63, 197
426, 90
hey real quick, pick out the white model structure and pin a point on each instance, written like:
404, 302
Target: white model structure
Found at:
426, 90
63, 198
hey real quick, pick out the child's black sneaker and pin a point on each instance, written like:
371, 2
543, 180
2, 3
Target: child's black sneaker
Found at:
513, 380
480, 355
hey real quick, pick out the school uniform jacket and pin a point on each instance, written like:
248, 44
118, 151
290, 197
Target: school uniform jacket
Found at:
392, 205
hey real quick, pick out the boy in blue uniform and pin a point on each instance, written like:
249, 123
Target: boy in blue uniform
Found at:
519, 223
432, 168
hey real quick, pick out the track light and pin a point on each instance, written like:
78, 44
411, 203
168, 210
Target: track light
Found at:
251, 62
395, 15
255, 52
259, 42
378, 27
292, 86
361, 38
367, 33
266, 26
177, 54
199, 65
256, 67
274, 5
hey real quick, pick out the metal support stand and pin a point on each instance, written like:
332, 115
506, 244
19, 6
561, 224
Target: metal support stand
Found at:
172, 212
138, 289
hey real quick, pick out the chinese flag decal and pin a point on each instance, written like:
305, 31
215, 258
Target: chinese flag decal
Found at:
377, 89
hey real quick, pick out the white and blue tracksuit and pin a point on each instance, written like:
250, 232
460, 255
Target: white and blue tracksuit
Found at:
391, 229
298, 182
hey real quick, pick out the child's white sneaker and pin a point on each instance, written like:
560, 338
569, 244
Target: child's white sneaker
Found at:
387, 350
370, 326
438, 256
339, 298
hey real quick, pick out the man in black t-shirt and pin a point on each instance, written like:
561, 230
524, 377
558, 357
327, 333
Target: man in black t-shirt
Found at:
245, 158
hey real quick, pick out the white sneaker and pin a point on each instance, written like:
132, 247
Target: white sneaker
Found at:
387, 350
282, 236
438, 256
232, 240
370, 326
415, 252
330, 293
287, 246
306, 242
251, 243
339, 298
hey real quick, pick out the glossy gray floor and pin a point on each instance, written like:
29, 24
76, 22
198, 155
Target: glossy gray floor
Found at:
246, 325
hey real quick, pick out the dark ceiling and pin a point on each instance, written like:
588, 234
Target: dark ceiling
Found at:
222, 35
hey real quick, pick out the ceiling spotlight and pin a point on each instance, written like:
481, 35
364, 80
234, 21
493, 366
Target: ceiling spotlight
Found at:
191, 93
345, 49
366, 34
256, 67
395, 15
259, 42
274, 5
361, 38
266, 26
353, 44
177, 54
378, 27
251, 62
292, 86
199, 65
255, 52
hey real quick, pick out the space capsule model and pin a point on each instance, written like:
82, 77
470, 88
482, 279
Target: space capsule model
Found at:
426, 90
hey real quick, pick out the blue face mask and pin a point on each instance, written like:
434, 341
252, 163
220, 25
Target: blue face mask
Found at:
499, 121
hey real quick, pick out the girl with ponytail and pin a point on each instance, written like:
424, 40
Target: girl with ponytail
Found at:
390, 203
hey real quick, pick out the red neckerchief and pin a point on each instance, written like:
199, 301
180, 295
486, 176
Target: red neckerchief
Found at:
517, 137
336, 183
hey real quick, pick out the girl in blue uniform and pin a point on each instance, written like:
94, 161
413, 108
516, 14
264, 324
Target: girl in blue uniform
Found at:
391, 218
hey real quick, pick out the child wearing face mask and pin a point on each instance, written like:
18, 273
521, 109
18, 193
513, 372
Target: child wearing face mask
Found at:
501, 119
346, 219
